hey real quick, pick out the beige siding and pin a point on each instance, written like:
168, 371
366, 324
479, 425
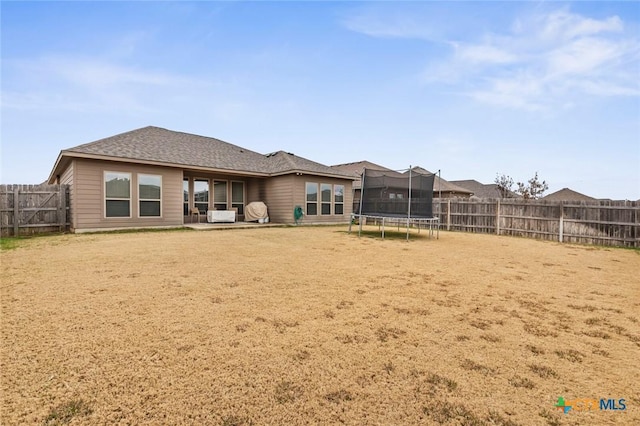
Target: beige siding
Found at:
67, 178
281, 194
286, 192
300, 196
256, 190
279, 198
89, 195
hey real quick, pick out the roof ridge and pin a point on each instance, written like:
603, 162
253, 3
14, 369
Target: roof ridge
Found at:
161, 145
108, 137
288, 159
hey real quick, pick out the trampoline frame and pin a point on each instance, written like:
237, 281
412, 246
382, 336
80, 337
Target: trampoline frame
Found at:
431, 223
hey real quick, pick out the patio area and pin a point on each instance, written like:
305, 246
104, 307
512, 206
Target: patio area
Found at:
206, 226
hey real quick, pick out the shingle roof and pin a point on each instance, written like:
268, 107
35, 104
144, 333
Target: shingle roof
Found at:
566, 194
440, 184
480, 190
156, 144
355, 168
282, 162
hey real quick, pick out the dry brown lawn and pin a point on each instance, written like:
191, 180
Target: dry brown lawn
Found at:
311, 325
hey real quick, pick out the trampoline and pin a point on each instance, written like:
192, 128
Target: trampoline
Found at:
392, 197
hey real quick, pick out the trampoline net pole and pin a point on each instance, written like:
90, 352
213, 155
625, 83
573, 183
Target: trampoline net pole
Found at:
409, 206
364, 171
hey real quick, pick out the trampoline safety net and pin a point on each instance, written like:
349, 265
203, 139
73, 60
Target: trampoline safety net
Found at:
395, 194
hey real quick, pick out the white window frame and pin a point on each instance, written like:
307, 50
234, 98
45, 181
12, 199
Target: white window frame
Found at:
307, 202
209, 191
105, 198
335, 203
323, 203
213, 191
188, 202
140, 199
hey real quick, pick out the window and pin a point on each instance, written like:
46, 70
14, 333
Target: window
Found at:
329, 194
220, 195
237, 196
185, 197
117, 194
338, 199
312, 199
325, 191
150, 195
201, 195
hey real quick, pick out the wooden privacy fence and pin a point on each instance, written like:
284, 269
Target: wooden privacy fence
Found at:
31, 209
615, 223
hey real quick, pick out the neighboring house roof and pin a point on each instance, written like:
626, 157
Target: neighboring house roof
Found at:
441, 185
438, 184
357, 167
155, 145
482, 190
285, 162
566, 194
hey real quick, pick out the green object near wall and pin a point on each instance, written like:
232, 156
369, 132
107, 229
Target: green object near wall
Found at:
297, 213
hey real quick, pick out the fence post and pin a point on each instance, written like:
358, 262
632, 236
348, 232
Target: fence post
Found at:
498, 217
448, 214
16, 211
561, 227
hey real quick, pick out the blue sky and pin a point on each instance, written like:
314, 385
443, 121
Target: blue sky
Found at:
471, 88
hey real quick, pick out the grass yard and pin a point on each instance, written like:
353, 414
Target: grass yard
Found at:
311, 325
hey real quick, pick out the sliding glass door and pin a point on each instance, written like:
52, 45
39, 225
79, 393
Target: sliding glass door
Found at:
220, 194
201, 195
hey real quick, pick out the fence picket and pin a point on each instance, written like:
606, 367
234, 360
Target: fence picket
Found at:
594, 222
29, 209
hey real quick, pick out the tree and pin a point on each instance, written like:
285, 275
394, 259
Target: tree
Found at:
533, 190
504, 183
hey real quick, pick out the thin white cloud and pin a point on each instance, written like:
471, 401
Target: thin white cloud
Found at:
587, 55
520, 91
383, 23
563, 25
95, 73
29, 101
541, 61
86, 84
562, 55
604, 88
482, 54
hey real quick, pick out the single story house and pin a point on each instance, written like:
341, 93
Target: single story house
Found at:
154, 177
443, 188
566, 194
482, 190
